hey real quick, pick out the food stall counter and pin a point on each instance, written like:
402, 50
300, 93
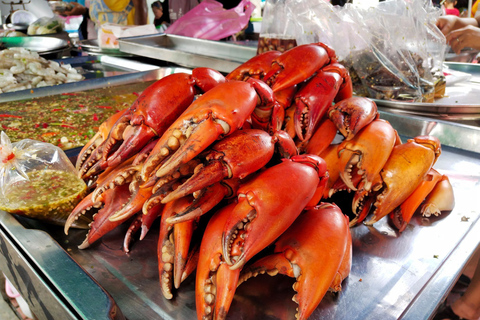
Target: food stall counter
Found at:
394, 275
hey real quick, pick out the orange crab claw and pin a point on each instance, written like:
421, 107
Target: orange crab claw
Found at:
322, 138
402, 214
173, 246
330, 156
368, 151
440, 199
267, 207
215, 282
314, 99
235, 156
363, 200
345, 266
298, 64
255, 67
219, 112
352, 114
403, 172
206, 200
321, 235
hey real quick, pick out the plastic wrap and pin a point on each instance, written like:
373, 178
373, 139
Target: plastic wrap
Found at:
209, 20
277, 31
393, 51
38, 180
46, 25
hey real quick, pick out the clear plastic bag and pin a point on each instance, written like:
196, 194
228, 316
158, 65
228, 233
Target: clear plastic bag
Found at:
393, 50
46, 25
209, 20
277, 31
38, 180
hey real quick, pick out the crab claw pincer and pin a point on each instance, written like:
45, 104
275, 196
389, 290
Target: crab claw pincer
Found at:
154, 111
352, 114
311, 251
236, 156
298, 64
331, 83
217, 113
91, 153
367, 151
215, 282
403, 172
267, 206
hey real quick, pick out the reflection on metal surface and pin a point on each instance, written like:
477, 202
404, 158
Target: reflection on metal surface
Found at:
47, 278
189, 52
451, 134
36, 44
461, 99
91, 46
390, 271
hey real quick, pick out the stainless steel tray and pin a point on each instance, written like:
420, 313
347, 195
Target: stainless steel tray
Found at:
35, 44
189, 52
91, 46
460, 101
393, 275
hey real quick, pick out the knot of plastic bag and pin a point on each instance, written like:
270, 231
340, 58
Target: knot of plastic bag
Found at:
6, 150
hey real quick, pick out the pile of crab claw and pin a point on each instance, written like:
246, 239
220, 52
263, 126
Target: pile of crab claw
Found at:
247, 163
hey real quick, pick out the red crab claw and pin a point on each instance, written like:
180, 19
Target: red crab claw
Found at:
110, 201
402, 215
218, 113
155, 110
173, 246
132, 229
330, 156
368, 151
440, 199
142, 222
126, 174
206, 200
236, 156
215, 282
403, 172
256, 67
91, 151
319, 235
352, 114
313, 100
267, 206
298, 64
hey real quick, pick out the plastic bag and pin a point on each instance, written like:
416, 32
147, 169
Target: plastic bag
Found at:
392, 50
277, 31
38, 180
46, 25
209, 20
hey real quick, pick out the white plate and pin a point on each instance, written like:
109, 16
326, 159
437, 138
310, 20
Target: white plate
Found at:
22, 17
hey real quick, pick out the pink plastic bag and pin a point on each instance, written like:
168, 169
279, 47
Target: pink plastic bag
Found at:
209, 20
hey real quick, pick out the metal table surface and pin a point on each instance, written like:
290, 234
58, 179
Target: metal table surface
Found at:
393, 275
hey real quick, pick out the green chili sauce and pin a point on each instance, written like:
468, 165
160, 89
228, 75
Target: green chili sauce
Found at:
48, 195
